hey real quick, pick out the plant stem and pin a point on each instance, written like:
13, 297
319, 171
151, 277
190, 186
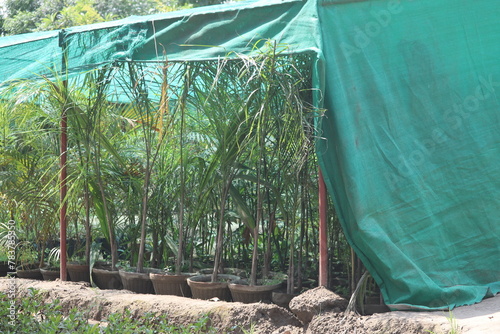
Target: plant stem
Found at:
220, 232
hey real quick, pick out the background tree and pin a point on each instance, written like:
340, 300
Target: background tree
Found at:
16, 6
124, 8
23, 16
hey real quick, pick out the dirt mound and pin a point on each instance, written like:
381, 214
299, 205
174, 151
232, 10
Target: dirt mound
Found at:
316, 301
332, 322
233, 317
263, 318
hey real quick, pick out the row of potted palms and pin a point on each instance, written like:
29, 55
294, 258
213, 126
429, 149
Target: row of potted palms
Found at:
176, 156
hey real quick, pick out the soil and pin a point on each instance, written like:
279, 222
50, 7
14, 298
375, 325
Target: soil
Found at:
266, 318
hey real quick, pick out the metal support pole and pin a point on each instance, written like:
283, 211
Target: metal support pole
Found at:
63, 167
323, 241
63, 191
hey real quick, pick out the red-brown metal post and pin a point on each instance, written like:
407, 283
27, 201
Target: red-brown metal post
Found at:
323, 241
63, 167
63, 191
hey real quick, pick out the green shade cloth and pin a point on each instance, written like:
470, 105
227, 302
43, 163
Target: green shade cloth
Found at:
412, 153
410, 142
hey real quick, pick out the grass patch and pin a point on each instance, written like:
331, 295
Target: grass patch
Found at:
33, 315
454, 328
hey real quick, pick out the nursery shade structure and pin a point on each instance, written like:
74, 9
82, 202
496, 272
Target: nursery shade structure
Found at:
410, 143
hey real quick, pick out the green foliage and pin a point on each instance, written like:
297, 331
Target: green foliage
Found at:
153, 323
25, 16
20, 23
29, 148
191, 149
16, 6
124, 8
357, 298
54, 257
26, 255
250, 330
81, 13
34, 315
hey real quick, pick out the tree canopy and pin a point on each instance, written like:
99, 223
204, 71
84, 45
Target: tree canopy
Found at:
23, 16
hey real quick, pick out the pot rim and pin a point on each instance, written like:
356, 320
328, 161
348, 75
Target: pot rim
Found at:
169, 274
204, 281
237, 285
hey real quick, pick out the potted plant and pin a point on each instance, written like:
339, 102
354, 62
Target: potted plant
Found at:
171, 283
105, 278
78, 270
27, 257
78, 267
205, 287
4, 265
225, 105
279, 143
96, 152
106, 275
182, 173
7, 243
138, 282
146, 119
242, 291
51, 271
254, 290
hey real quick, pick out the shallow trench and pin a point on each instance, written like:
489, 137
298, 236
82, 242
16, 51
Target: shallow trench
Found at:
264, 318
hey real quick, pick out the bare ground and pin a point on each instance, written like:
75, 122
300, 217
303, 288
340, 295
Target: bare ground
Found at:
266, 318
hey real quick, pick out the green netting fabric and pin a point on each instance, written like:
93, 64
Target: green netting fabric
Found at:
196, 34
413, 144
29, 55
410, 144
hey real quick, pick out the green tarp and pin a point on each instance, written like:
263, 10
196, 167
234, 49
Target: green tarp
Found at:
413, 143
409, 145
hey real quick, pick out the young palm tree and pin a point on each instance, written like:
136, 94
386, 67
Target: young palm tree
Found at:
277, 83
217, 98
29, 149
